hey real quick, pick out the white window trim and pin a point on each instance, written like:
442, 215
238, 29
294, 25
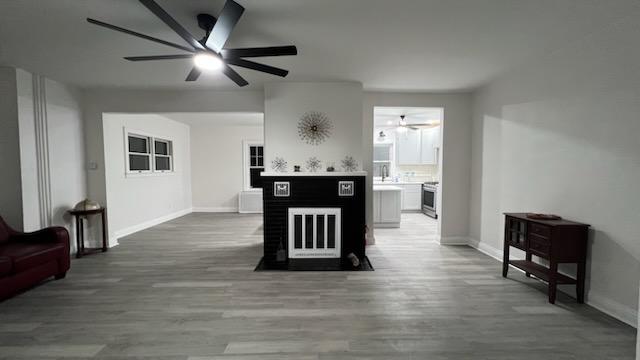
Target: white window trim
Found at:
151, 155
170, 155
246, 154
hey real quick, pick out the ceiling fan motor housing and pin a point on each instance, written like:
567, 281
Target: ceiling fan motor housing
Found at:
206, 22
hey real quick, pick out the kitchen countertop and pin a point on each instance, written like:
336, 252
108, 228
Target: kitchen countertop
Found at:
386, 188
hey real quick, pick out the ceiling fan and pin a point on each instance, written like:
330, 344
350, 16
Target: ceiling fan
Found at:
402, 124
209, 53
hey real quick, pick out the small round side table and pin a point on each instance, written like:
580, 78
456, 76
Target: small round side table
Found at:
80, 215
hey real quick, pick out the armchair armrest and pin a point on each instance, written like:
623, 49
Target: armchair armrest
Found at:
51, 234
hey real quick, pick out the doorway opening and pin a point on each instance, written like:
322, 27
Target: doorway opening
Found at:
407, 163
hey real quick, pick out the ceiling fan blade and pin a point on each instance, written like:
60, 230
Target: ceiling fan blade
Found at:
234, 76
227, 20
257, 66
137, 34
261, 51
173, 24
193, 74
158, 57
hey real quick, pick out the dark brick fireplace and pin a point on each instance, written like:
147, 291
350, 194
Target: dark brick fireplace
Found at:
313, 221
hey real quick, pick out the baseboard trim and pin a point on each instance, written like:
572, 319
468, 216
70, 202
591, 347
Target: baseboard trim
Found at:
605, 304
454, 240
147, 224
221, 209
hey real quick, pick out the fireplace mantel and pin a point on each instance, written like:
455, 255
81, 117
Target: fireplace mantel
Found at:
313, 221
313, 174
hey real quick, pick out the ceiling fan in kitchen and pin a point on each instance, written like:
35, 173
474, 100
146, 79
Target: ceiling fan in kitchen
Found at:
403, 124
209, 53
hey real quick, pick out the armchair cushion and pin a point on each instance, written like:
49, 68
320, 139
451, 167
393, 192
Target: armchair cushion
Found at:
28, 255
5, 265
5, 231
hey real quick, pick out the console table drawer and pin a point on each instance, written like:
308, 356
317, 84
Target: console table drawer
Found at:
540, 230
539, 245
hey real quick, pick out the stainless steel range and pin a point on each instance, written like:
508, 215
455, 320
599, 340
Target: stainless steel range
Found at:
429, 198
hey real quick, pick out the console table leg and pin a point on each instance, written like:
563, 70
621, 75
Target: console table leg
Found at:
528, 257
553, 282
78, 249
104, 232
580, 282
505, 258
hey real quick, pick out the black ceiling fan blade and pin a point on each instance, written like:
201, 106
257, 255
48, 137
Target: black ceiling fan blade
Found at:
158, 57
257, 66
137, 34
227, 20
261, 51
172, 23
193, 74
234, 76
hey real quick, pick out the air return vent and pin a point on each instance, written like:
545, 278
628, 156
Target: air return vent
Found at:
281, 188
314, 233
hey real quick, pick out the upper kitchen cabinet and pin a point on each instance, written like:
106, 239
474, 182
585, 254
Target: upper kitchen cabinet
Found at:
430, 144
418, 146
408, 147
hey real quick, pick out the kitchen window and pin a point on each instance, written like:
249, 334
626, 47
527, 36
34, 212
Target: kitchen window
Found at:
254, 164
146, 154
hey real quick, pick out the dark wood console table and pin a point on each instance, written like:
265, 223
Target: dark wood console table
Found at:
79, 215
558, 241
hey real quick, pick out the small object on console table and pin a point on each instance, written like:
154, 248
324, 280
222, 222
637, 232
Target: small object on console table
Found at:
558, 241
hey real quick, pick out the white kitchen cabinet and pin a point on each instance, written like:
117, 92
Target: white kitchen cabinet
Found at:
429, 145
418, 146
386, 206
408, 147
411, 197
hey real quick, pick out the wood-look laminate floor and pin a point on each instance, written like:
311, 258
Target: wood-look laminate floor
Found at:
186, 290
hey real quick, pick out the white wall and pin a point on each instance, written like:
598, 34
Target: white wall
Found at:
10, 180
560, 135
31, 212
455, 155
137, 201
66, 151
50, 178
217, 170
284, 105
99, 101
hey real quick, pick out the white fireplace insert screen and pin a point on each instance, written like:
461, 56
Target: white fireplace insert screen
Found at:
314, 233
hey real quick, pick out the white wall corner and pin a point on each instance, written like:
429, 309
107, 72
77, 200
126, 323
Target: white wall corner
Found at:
598, 301
454, 240
113, 241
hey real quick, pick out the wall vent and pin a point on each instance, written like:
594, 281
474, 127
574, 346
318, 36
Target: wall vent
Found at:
281, 188
346, 188
314, 233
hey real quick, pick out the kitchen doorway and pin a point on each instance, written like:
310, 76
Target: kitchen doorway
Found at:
407, 143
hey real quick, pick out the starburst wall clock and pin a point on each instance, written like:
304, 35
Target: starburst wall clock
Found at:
314, 127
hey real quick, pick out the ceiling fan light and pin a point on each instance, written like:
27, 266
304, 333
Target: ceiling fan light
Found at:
206, 61
403, 122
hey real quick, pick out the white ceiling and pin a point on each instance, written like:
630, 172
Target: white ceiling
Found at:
218, 118
404, 45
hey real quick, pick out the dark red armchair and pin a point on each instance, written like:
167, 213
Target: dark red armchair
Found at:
28, 258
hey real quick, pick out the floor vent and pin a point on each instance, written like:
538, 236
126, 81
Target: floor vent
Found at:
314, 233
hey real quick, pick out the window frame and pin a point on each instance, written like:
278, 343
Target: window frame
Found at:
246, 162
151, 153
169, 154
